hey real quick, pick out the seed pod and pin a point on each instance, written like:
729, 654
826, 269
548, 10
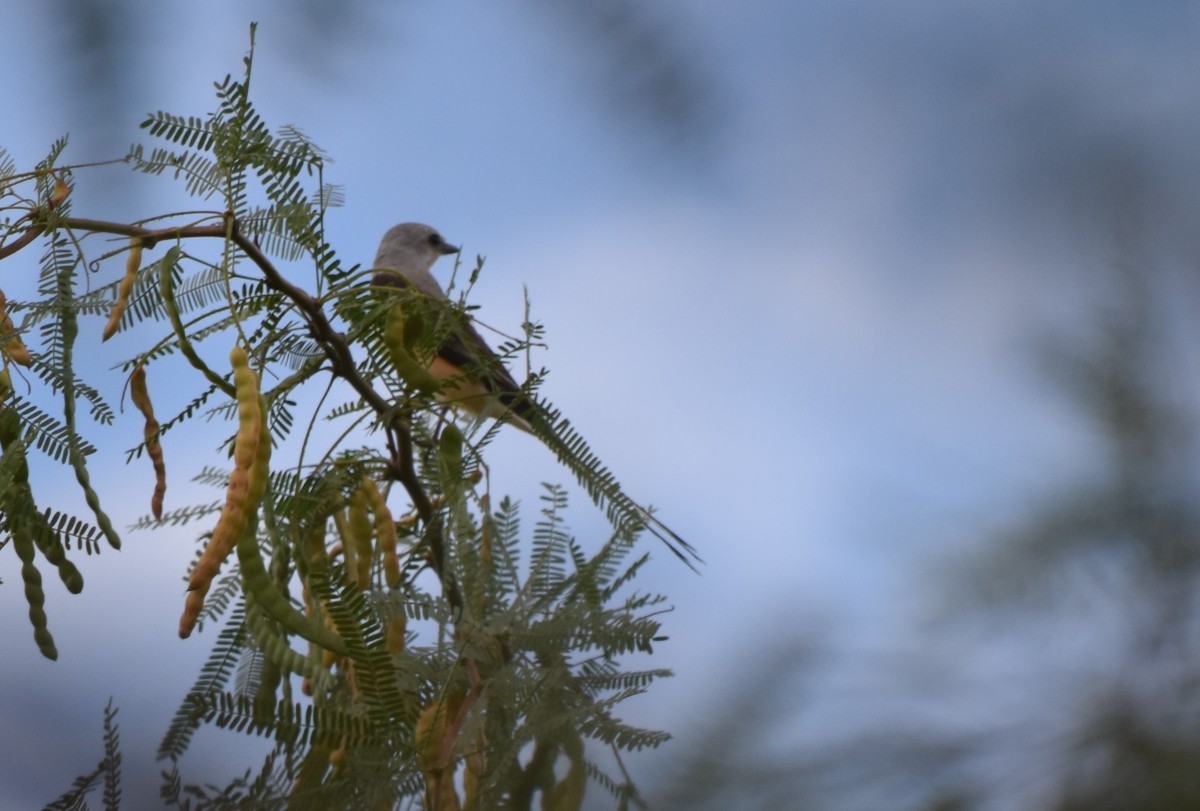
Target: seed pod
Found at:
22, 542
132, 264
18, 521
51, 547
141, 398
450, 456
397, 627
237, 508
13, 346
346, 547
399, 342
337, 759
255, 577
358, 524
275, 645
61, 190
259, 584
434, 746
385, 532
476, 769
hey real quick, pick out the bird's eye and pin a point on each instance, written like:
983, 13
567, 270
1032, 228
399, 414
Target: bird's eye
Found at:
435, 240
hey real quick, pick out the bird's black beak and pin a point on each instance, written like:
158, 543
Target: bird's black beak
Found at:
448, 248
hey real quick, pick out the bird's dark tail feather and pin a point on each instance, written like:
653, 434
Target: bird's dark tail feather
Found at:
601, 486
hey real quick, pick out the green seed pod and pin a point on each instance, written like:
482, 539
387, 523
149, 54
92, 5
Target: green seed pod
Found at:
450, 455
398, 336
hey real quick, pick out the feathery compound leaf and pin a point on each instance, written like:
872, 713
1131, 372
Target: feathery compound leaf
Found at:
626, 515
227, 650
191, 132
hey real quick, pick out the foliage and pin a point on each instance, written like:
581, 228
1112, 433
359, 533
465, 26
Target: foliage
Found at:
433, 658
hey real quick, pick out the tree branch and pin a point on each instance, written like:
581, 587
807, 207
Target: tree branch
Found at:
337, 349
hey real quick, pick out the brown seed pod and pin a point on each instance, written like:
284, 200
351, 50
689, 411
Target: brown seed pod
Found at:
141, 398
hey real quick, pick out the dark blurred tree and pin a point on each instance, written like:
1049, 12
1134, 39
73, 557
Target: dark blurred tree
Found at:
1114, 554
632, 59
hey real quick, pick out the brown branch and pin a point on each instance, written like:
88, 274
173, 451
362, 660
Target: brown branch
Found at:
20, 242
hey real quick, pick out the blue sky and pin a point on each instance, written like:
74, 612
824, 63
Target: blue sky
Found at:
806, 335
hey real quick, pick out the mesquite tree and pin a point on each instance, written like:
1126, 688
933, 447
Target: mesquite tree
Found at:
375, 613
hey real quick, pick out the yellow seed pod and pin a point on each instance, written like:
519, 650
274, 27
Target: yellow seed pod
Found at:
474, 772
61, 190
397, 627
429, 736
337, 759
12, 346
434, 750
238, 508
385, 532
346, 547
314, 548
358, 524
132, 264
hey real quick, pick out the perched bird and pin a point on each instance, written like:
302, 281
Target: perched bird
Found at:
469, 375
473, 377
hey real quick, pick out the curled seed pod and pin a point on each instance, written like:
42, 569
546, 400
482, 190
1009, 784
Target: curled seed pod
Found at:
166, 289
358, 524
385, 532
141, 398
275, 646
259, 583
13, 346
51, 547
237, 509
132, 264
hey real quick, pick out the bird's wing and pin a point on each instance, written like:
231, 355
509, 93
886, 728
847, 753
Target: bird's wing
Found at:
465, 349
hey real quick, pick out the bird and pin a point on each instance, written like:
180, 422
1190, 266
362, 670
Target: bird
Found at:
472, 377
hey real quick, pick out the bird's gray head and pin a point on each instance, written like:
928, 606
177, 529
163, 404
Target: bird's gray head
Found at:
411, 249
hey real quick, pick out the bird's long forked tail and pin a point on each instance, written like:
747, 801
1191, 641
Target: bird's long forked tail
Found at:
602, 487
